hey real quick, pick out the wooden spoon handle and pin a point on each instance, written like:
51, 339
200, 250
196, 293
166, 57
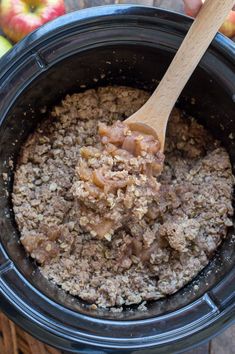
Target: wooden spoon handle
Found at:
157, 109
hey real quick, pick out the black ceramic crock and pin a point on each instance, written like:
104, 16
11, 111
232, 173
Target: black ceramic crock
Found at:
127, 45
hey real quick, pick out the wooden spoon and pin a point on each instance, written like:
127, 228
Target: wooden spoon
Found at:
152, 117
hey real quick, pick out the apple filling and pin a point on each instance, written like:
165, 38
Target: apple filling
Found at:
116, 181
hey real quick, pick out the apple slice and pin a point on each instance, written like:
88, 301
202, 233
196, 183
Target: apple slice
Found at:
5, 45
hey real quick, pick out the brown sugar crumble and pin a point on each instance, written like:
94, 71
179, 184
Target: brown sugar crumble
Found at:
175, 224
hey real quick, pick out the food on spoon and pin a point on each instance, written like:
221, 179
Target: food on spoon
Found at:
120, 175
20, 17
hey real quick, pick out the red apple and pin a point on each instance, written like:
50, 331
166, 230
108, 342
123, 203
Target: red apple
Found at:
20, 17
228, 27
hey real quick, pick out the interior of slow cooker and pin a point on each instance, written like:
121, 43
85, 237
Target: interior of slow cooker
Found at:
136, 66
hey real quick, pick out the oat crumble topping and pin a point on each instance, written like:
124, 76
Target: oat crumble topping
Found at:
149, 256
